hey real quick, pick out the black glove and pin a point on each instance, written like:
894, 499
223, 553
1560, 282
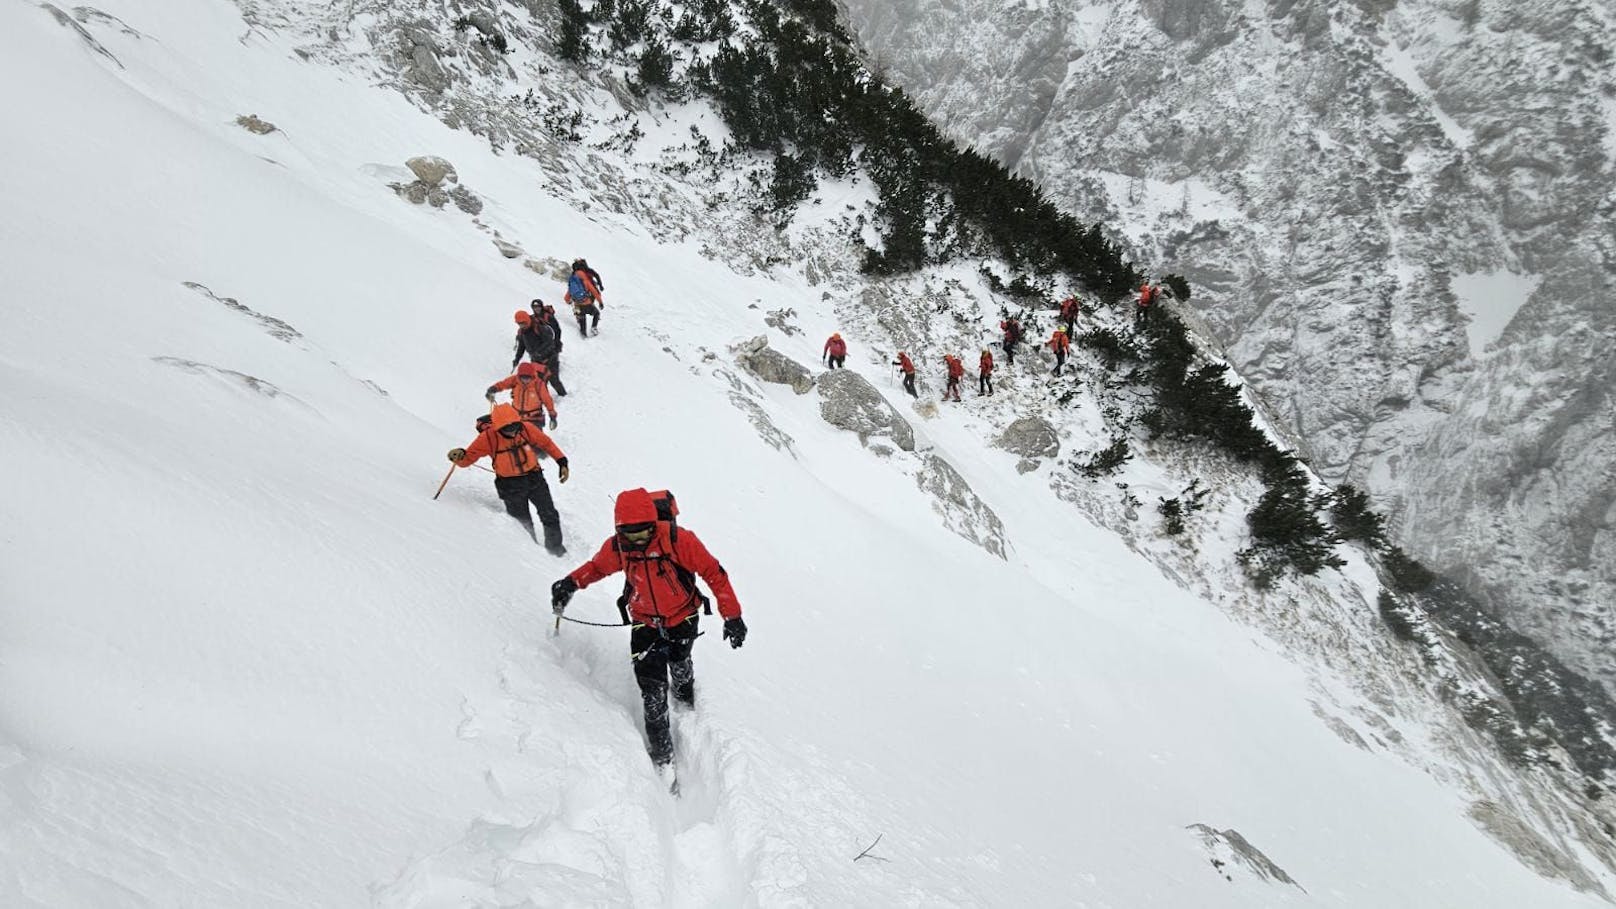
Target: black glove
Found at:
561, 592
552, 421
735, 631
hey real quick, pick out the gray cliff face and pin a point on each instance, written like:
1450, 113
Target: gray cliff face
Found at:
1399, 219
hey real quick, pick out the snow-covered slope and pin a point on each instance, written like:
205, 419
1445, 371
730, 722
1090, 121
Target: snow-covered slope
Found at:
1398, 217
248, 661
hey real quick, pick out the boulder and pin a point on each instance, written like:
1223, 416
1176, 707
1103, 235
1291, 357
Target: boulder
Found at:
432, 170
850, 402
770, 365
508, 250
252, 124
466, 200
1030, 437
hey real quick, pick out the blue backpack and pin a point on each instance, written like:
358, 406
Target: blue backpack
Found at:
576, 289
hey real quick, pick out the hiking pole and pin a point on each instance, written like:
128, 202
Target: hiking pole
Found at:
445, 482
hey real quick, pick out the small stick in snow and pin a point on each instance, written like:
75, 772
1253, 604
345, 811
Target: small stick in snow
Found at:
866, 852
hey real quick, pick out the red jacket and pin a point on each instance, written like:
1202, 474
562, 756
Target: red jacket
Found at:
658, 592
906, 364
836, 347
955, 367
1147, 294
986, 364
1070, 309
1058, 342
1012, 330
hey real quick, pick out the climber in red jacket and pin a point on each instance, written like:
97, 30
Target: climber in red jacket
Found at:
835, 352
908, 366
956, 370
662, 562
984, 375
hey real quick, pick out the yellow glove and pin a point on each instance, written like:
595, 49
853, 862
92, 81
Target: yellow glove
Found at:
457, 454
563, 473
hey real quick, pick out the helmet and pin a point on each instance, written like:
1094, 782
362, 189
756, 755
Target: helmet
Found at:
528, 369
522, 317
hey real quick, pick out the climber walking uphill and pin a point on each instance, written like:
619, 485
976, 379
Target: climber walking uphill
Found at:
956, 369
984, 375
835, 353
514, 446
541, 344
1012, 336
530, 394
583, 292
544, 314
1060, 344
661, 561
908, 366
1070, 309
1147, 301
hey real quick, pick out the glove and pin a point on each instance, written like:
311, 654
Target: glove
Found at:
552, 421
560, 593
561, 470
735, 631
490, 397
457, 455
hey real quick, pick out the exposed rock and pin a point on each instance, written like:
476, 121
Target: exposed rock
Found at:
432, 170
770, 365
850, 402
771, 434
508, 250
277, 329
1533, 850
466, 200
781, 319
413, 192
958, 505
1030, 437
1027, 465
436, 197
67, 22
419, 49
252, 124
1228, 848
230, 376
550, 267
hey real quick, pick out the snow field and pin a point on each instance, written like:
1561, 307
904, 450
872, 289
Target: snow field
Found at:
248, 661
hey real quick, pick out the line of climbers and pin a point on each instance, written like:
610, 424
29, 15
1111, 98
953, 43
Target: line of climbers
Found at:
661, 602
1011, 335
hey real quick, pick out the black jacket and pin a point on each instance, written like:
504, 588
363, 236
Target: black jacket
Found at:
537, 341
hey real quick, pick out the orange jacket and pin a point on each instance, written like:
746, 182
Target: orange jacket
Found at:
659, 593
986, 363
1058, 342
530, 398
512, 457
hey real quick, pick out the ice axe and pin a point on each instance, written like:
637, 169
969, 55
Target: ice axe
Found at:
445, 482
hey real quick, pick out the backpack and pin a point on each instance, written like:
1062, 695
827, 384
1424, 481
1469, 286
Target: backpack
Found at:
576, 289
1012, 331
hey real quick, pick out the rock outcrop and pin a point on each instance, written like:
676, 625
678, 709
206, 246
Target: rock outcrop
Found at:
850, 402
770, 365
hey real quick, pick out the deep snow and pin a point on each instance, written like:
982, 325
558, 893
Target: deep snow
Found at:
248, 661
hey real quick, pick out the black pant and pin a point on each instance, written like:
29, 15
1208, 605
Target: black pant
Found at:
660, 655
952, 390
837, 362
517, 492
909, 385
1010, 352
584, 313
1141, 315
554, 365
984, 384
1060, 360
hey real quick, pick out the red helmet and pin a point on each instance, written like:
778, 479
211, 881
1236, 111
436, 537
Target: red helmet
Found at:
527, 369
522, 317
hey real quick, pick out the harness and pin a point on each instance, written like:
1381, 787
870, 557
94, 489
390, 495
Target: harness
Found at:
519, 450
